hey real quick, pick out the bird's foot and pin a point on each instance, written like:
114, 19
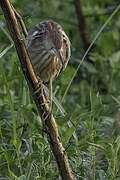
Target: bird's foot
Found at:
46, 102
39, 86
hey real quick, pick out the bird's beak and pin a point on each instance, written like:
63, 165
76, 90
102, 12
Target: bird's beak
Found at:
58, 54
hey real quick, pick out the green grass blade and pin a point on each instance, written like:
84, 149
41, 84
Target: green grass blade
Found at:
5, 50
59, 106
96, 37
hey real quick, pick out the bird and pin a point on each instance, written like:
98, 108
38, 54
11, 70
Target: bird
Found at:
49, 49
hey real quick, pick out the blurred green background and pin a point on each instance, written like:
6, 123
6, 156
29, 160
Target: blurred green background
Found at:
90, 128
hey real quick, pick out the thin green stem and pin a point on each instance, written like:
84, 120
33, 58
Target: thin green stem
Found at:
96, 37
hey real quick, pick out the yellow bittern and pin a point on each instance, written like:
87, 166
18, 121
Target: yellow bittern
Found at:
49, 50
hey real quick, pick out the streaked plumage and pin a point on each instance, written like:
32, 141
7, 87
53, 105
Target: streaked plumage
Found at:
49, 49
43, 43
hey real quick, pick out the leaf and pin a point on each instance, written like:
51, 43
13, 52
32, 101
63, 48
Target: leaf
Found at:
5, 50
23, 177
12, 175
115, 60
117, 141
17, 143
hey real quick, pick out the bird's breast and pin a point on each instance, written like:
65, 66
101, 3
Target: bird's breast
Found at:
45, 65
50, 69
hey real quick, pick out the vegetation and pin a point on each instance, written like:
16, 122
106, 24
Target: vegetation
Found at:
88, 90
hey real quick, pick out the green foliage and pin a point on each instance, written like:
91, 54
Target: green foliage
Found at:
86, 98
